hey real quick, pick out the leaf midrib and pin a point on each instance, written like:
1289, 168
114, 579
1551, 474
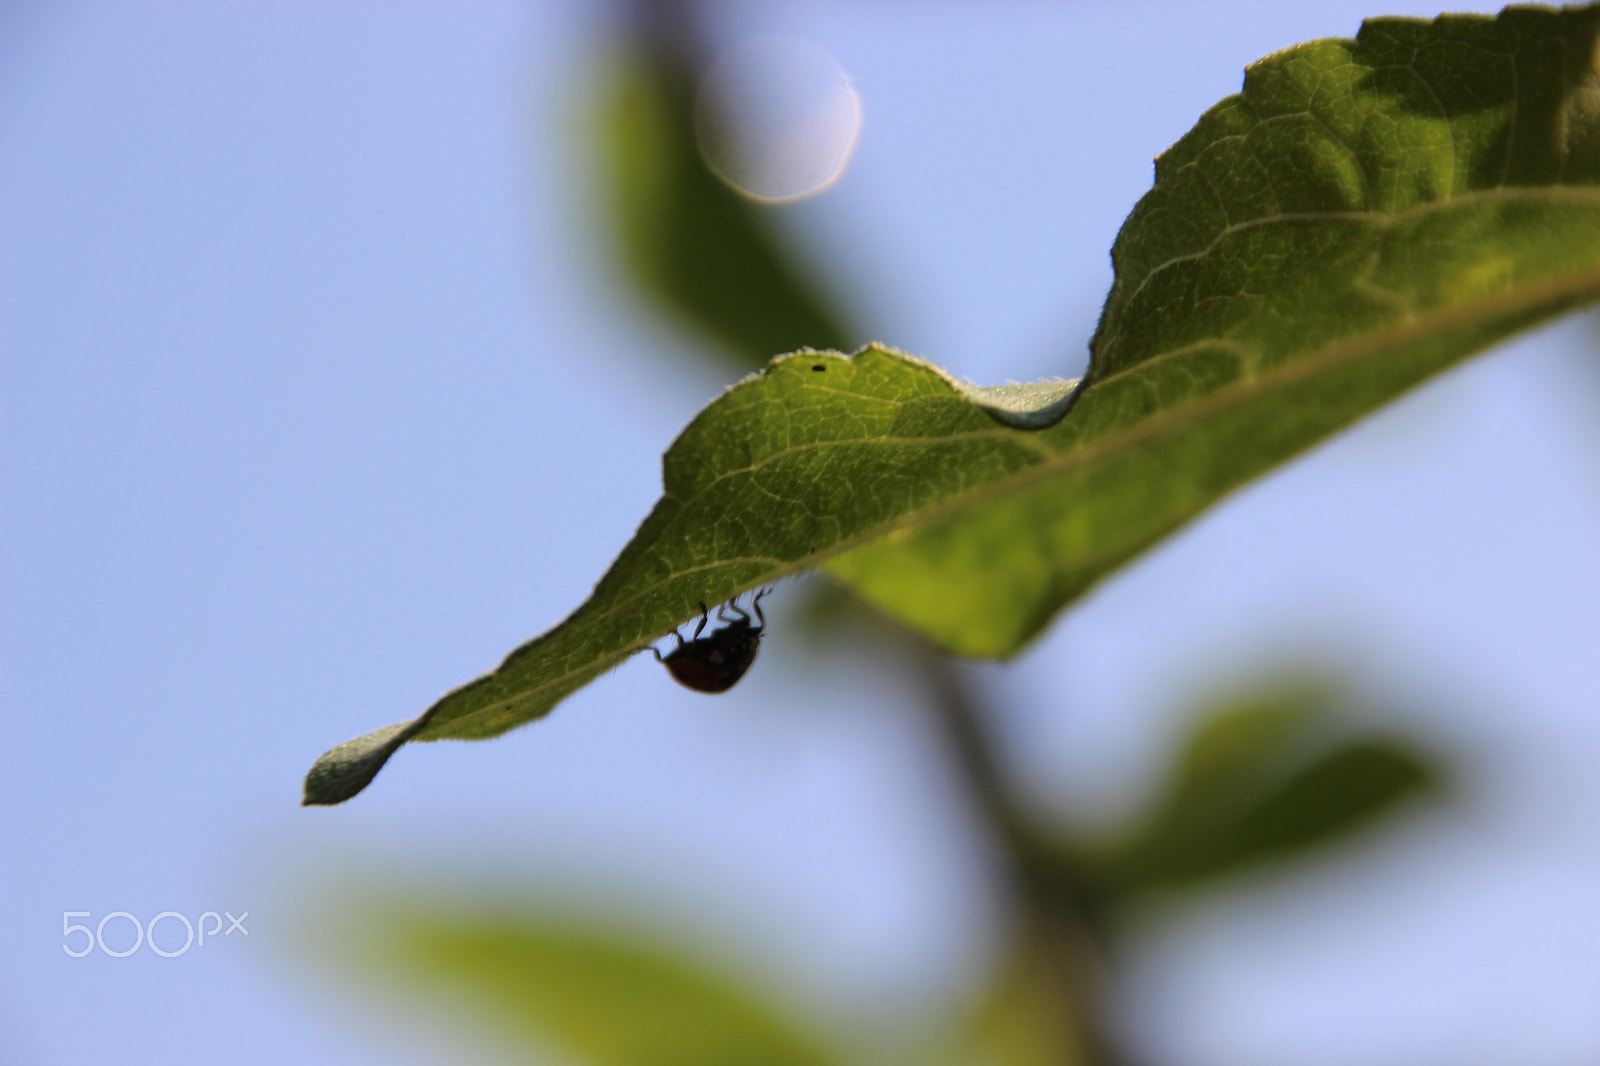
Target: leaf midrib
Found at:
796, 449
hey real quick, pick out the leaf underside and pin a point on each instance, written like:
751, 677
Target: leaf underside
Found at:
1363, 215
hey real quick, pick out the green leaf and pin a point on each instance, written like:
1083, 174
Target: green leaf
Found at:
1364, 215
688, 241
817, 452
1025, 1016
605, 999
1262, 778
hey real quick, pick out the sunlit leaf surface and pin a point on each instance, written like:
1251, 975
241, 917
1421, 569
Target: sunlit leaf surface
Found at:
1363, 215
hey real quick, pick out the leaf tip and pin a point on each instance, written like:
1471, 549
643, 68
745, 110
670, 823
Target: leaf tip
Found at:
342, 772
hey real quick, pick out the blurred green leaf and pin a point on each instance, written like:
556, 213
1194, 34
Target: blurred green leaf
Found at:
604, 999
700, 250
1023, 1017
1364, 215
1265, 778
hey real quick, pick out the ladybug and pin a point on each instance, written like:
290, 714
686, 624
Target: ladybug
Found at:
717, 662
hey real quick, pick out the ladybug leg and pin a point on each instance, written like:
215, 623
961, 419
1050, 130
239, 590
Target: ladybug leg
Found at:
657, 651
704, 618
755, 605
736, 609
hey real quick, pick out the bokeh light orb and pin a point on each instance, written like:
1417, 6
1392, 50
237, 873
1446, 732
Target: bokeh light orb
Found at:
777, 118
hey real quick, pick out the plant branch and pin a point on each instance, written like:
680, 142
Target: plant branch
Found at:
1060, 927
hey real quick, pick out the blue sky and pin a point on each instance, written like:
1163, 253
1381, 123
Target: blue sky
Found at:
317, 395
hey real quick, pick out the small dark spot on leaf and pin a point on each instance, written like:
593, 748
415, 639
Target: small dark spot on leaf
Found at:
819, 366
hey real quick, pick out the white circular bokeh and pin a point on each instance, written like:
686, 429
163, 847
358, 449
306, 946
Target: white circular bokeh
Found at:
777, 118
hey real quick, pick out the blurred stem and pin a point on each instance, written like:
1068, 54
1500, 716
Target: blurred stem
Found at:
1059, 930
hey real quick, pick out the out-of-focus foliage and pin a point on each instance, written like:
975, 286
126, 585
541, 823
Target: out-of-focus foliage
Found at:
1264, 777
695, 247
1363, 215
603, 998
1023, 1018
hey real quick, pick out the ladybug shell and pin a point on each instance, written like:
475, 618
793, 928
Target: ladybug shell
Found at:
715, 663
